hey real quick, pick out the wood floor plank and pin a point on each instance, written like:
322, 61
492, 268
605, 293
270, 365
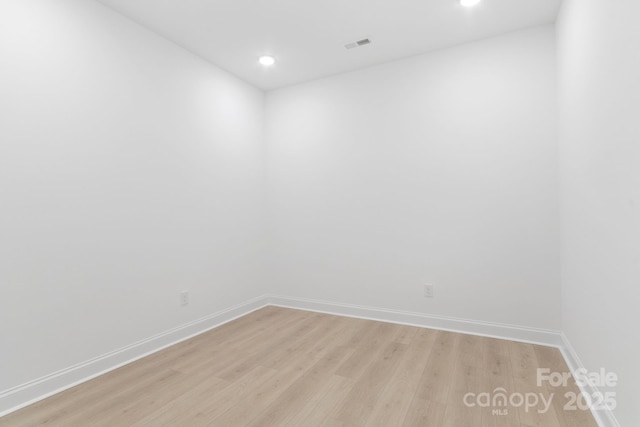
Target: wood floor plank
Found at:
435, 382
524, 365
150, 402
317, 411
424, 413
322, 331
393, 405
467, 377
206, 402
551, 358
93, 411
359, 404
285, 367
498, 378
301, 392
250, 405
368, 345
264, 348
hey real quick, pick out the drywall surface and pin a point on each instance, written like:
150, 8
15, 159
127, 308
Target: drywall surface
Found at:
441, 169
130, 170
600, 163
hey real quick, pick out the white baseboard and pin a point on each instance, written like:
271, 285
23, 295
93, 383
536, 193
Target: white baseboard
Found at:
604, 418
41, 388
486, 329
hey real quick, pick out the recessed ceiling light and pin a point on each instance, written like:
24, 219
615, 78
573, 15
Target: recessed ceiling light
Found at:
267, 61
469, 3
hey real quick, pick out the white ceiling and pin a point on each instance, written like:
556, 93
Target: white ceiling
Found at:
308, 37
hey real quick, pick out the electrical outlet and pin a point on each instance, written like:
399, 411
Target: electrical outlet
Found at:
184, 298
428, 291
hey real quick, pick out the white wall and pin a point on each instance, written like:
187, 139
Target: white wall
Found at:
129, 171
600, 159
440, 169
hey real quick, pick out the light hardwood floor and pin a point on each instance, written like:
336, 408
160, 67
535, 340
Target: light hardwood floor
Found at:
283, 367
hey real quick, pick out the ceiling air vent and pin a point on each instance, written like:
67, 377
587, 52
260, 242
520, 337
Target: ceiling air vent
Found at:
358, 43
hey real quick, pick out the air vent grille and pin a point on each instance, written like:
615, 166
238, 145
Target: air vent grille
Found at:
358, 43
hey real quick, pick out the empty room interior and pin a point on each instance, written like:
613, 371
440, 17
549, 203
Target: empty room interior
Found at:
331, 213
